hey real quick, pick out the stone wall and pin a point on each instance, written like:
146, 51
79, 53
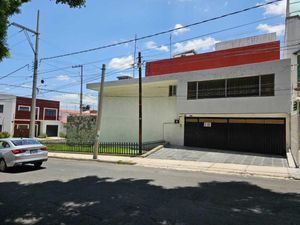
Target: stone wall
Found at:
81, 129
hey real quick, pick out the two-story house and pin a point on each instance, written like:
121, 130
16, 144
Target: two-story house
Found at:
237, 98
16, 118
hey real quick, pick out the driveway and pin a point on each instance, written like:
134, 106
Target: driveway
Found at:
217, 156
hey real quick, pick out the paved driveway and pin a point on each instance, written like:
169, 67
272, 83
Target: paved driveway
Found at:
210, 155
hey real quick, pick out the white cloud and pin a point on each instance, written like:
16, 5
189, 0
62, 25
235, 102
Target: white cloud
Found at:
152, 45
121, 63
278, 8
62, 77
180, 30
279, 29
197, 44
73, 98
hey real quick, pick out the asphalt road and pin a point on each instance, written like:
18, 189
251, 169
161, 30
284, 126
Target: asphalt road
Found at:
81, 192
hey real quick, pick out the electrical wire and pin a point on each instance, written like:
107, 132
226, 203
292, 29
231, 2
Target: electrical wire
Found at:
163, 32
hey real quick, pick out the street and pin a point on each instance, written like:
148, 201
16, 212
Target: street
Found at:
85, 192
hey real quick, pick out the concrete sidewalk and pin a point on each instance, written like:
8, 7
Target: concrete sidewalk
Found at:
210, 167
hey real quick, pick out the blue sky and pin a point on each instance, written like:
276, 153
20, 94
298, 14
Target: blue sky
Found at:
102, 22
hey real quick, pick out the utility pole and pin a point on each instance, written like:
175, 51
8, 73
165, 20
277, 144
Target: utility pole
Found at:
140, 103
170, 45
99, 113
35, 70
81, 88
134, 56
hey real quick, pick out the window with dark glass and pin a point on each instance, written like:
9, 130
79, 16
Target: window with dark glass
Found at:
0, 128
211, 89
241, 87
50, 112
235, 87
192, 90
172, 90
24, 108
1, 108
267, 85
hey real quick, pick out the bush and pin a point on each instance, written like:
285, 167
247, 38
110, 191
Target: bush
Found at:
4, 135
42, 136
62, 135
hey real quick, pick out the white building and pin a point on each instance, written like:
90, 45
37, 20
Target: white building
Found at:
235, 99
7, 112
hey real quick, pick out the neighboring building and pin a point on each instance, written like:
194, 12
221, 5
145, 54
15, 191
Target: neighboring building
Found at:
236, 99
7, 112
292, 52
16, 117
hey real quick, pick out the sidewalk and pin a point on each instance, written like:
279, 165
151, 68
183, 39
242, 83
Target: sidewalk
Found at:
223, 168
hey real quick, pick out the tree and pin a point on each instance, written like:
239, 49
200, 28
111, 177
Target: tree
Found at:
11, 7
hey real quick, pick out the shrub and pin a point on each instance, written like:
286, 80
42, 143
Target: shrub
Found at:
42, 136
62, 135
4, 135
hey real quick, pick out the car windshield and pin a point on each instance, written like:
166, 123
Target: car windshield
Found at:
25, 142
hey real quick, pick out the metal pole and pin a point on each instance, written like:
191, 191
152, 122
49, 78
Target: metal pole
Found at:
99, 114
81, 87
170, 45
81, 90
140, 103
34, 82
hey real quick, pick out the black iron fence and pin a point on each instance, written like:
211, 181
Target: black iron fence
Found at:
111, 148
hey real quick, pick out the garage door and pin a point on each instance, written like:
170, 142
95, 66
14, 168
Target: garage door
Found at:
266, 136
52, 130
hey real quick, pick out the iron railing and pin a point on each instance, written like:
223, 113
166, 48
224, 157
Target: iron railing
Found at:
110, 148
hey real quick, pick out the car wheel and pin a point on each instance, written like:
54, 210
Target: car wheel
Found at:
38, 165
3, 166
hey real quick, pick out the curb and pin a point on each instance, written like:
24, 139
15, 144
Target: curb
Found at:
152, 151
216, 169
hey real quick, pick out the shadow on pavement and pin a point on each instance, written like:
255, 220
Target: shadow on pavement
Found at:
23, 169
93, 200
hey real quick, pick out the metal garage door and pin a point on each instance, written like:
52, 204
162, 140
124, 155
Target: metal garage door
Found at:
265, 136
52, 130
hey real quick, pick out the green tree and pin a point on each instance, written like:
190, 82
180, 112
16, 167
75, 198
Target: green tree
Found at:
11, 7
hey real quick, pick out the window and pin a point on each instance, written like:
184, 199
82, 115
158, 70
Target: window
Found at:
50, 112
172, 90
25, 142
24, 108
22, 126
0, 127
1, 108
211, 89
242, 87
4, 144
235, 87
192, 90
267, 85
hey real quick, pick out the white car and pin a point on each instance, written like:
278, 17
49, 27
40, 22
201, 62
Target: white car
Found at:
21, 151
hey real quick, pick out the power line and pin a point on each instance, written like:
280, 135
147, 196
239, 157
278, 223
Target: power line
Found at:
27, 65
163, 32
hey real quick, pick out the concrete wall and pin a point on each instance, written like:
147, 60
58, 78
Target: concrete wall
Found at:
7, 117
120, 113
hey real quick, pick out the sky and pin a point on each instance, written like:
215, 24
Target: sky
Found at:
102, 22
